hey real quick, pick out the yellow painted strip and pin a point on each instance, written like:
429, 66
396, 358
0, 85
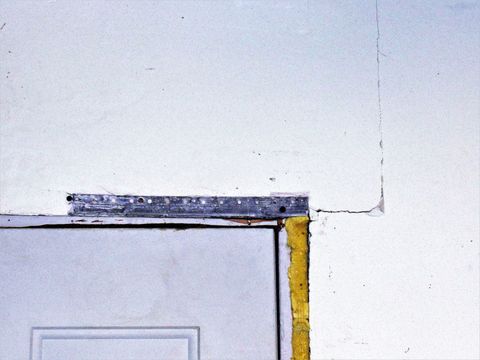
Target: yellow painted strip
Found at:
297, 238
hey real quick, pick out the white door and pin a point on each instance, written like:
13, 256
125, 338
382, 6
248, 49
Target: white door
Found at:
138, 294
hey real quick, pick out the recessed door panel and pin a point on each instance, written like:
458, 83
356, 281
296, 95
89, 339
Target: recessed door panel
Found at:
132, 293
115, 343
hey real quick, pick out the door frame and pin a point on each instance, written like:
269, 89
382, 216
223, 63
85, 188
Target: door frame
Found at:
291, 239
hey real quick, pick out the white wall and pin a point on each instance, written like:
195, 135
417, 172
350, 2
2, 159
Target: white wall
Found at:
188, 98
406, 285
183, 98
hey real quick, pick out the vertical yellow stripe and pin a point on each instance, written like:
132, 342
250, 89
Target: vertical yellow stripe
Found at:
297, 238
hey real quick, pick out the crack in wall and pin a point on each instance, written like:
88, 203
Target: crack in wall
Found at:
379, 99
379, 209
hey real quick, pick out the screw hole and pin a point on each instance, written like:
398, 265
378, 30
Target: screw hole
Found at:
69, 198
282, 209
141, 200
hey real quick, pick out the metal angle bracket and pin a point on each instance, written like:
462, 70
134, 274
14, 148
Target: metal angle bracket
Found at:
252, 207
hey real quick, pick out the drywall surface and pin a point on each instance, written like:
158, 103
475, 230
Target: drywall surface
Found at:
255, 97
184, 98
406, 285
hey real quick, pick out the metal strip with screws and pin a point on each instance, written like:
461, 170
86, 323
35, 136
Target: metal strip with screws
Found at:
250, 207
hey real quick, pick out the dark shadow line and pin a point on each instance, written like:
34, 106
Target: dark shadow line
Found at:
277, 288
144, 226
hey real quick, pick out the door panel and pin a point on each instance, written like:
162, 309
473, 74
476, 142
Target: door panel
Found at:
114, 343
124, 293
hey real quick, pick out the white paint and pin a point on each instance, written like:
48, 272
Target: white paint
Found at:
182, 98
406, 285
121, 278
297, 84
284, 296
